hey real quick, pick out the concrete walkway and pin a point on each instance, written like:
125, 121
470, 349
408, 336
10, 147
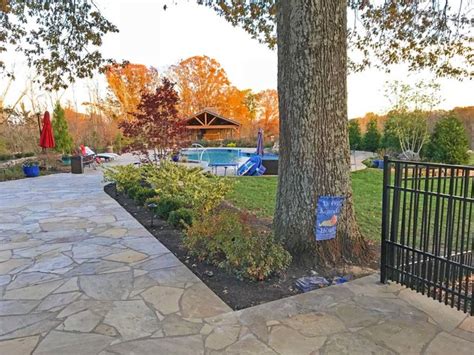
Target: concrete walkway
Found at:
79, 275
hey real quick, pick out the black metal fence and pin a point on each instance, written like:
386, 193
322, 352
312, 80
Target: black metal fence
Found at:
428, 230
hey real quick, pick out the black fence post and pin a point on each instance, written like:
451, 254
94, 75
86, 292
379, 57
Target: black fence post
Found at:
385, 224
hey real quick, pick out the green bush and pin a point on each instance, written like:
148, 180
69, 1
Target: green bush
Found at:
196, 190
172, 186
448, 142
165, 205
132, 191
12, 173
182, 217
226, 239
124, 176
4, 157
143, 194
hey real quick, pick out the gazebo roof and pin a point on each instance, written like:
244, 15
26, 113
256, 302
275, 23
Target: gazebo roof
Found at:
210, 120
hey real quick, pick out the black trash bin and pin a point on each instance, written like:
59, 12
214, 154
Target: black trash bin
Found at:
271, 165
77, 167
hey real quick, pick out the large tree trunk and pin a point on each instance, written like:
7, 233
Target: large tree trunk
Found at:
314, 148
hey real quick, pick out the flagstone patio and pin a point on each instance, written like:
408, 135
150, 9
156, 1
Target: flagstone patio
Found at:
79, 275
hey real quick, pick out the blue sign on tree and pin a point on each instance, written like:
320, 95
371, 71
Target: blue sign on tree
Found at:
327, 214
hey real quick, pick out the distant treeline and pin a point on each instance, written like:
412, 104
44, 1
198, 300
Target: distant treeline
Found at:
464, 114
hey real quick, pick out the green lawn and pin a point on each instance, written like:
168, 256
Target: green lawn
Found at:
257, 194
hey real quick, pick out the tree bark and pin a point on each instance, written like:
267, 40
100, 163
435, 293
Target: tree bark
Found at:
314, 147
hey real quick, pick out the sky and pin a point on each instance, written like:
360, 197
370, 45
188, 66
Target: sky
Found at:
152, 36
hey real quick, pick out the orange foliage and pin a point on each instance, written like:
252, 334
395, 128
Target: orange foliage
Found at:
127, 82
267, 112
202, 83
363, 121
92, 129
466, 115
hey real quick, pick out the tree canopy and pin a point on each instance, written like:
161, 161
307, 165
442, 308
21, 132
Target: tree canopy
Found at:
61, 39
426, 34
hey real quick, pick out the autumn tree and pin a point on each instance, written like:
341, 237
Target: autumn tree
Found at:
127, 83
241, 106
155, 125
267, 111
201, 83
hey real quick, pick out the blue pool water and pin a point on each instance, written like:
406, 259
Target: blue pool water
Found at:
221, 155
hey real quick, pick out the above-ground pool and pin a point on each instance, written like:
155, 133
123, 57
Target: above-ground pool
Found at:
222, 155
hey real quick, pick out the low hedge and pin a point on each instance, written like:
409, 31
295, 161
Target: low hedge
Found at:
5, 157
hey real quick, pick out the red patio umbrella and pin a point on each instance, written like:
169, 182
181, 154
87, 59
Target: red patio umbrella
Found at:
47, 137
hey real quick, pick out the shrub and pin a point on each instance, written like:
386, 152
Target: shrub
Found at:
4, 157
226, 239
369, 162
143, 193
12, 173
449, 142
173, 185
182, 217
165, 205
195, 189
133, 190
124, 176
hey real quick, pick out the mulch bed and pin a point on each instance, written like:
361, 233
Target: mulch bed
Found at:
236, 293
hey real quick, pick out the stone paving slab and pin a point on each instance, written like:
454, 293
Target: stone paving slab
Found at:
79, 275
359, 317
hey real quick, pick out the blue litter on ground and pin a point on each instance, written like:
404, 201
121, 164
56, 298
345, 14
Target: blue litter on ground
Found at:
309, 283
340, 280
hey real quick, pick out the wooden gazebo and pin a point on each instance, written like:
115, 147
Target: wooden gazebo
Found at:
208, 125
